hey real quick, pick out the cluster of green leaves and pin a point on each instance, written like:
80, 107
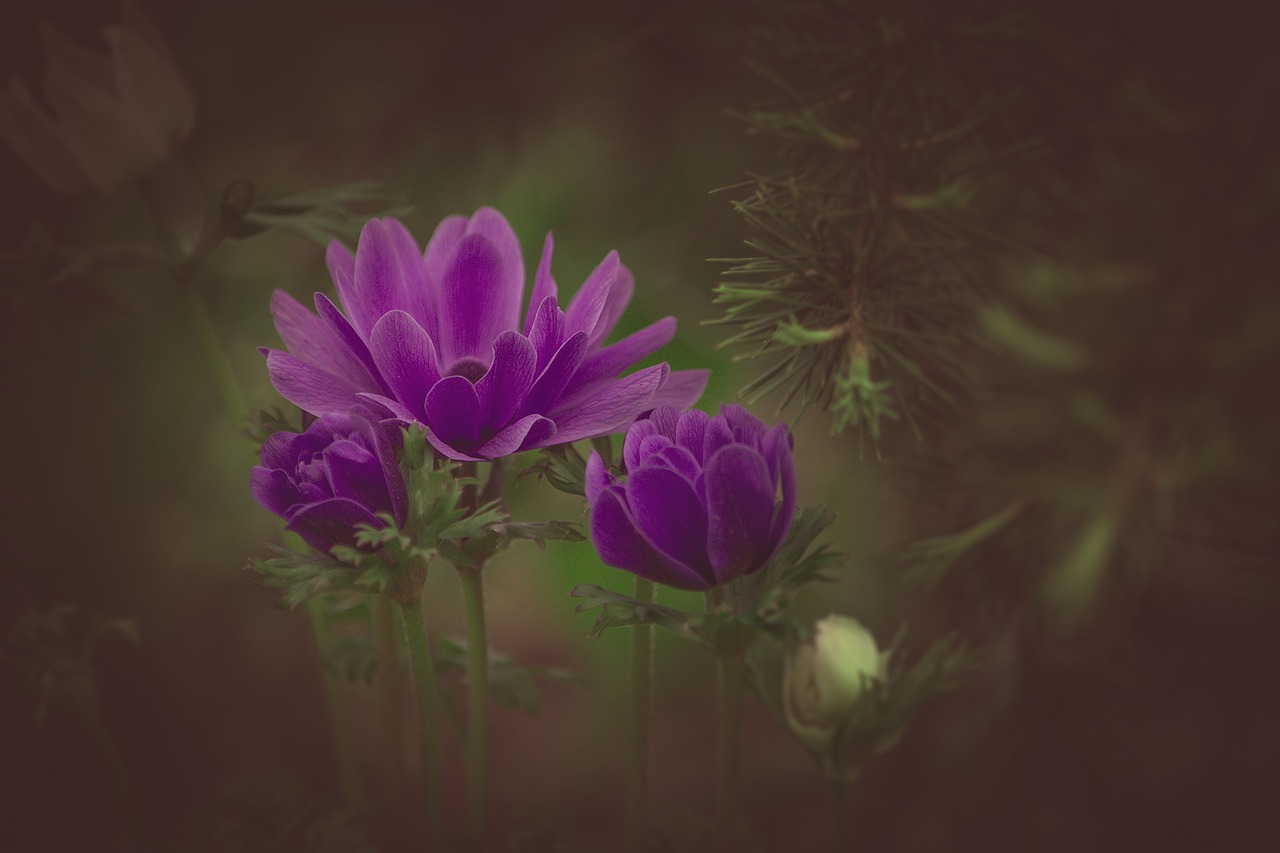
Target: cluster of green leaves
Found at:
865, 281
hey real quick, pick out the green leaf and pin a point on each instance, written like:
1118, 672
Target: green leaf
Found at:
511, 684
623, 611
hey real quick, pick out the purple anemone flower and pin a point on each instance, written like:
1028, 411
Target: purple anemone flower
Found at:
436, 337
706, 499
340, 473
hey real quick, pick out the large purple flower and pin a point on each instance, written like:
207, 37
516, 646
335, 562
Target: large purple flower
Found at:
436, 337
340, 473
706, 500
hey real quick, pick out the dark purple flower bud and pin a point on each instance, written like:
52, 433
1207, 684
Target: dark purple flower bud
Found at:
436, 337
706, 500
338, 474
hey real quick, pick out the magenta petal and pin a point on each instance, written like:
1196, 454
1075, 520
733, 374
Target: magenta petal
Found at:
380, 274
621, 545
521, 435
406, 357
351, 340
747, 429
619, 296
634, 441
311, 339
453, 412
331, 522
418, 294
547, 335
740, 504
493, 226
612, 360
502, 389
385, 437
440, 248
667, 511
613, 409
691, 431
717, 435
678, 459
307, 386
388, 407
474, 297
543, 285
356, 474
665, 419
545, 393
449, 451
596, 479
682, 389
273, 489
583, 313
342, 269
277, 450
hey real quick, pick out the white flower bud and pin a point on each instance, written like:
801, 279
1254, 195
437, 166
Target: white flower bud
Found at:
825, 678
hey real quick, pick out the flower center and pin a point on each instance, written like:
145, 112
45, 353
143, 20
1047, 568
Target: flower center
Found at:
471, 369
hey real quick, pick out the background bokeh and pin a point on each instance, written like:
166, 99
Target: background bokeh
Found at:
125, 483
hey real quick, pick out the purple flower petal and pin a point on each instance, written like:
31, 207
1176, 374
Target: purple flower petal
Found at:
621, 545
583, 313
475, 301
679, 460
655, 443
740, 505
597, 477
277, 450
406, 358
453, 412
384, 437
342, 269
388, 274
356, 474
388, 407
332, 522
665, 419
747, 429
439, 251
273, 489
419, 295
309, 338
543, 285
355, 346
691, 431
502, 389
613, 409
612, 360
667, 511
493, 226
717, 435
682, 389
619, 296
545, 393
307, 386
524, 433
634, 440
547, 335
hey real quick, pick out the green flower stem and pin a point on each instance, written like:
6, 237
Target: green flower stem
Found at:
388, 652
638, 722
477, 684
214, 357
729, 756
155, 195
339, 717
424, 679
841, 827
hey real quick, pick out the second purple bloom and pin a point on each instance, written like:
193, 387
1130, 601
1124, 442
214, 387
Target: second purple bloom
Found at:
436, 337
706, 500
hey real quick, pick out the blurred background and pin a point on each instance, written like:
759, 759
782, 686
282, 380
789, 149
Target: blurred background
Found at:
126, 484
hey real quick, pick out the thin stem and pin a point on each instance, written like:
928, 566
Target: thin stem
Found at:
841, 827
339, 714
388, 651
732, 672
214, 357
424, 679
477, 691
638, 722
158, 200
